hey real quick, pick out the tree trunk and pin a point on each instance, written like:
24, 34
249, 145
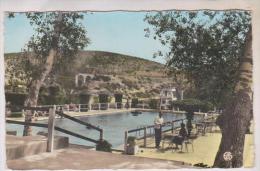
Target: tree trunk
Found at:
237, 115
34, 88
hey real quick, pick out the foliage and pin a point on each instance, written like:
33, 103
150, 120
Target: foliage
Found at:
103, 146
71, 38
16, 115
190, 106
57, 32
153, 103
118, 98
84, 98
103, 98
134, 102
131, 140
52, 95
193, 105
205, 46
15, 98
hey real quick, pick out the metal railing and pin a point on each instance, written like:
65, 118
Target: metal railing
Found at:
145, 134
51, 125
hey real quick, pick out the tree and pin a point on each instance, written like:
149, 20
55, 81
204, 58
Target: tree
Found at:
203, 45
57, 39
214, 49
238, 113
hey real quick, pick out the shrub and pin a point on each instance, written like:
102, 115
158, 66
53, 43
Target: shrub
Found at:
104, 146
15, 98
131, 140
118, 98
103, 98
134, 102
153, 103
84, 98
193, 105
16, 114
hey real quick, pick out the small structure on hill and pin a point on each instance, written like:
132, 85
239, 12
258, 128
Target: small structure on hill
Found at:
83, 78
167, 95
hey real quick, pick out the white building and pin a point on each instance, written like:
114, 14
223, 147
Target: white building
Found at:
167, 95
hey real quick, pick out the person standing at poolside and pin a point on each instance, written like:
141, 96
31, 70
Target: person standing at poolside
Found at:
158, 121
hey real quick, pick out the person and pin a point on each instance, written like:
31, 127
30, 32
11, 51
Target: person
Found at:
178, 140
158, 121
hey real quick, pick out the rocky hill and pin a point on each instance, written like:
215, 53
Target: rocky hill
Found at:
110, 72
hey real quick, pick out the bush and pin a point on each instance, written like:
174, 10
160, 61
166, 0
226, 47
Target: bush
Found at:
118, 98
52, 95
15, 98
103, 98
16, 114
84, 98
193, 105
104, 146
134, 102
131, 140
153, 103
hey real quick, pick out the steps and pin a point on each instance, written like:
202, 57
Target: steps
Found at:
17, 147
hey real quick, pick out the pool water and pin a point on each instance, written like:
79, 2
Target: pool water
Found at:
113, 125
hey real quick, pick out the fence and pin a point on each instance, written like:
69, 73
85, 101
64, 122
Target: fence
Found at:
51, 125
145, 134
96, 106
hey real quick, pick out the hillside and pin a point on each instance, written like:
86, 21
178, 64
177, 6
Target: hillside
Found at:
110, 72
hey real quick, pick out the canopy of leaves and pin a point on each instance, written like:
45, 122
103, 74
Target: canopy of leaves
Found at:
71, 38
205, 45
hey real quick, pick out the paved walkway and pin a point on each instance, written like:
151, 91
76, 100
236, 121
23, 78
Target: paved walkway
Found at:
84, 159
205, 149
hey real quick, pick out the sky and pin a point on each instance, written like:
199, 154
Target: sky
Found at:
120, 32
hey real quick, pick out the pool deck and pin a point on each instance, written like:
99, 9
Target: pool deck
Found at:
205, 150
85, 159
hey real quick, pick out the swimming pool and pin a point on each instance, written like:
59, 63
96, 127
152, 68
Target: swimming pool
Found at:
113, 125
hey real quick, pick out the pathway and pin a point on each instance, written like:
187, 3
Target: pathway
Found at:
84, 159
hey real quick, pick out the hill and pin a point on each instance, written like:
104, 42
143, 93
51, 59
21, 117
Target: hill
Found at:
110, 72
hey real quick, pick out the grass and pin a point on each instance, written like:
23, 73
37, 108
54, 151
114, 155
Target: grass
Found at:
205, 149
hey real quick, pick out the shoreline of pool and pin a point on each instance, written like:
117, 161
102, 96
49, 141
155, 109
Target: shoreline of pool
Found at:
105, 112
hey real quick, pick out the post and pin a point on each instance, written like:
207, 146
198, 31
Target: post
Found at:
172, 126
143, 105
125, 145
51, 129
101, 135
89, 106
116, 105
79, 107
98, 106
108, 106
76, 80
145, 135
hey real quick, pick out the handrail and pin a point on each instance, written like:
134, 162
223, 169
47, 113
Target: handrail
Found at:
145, 135
77, 120
45, 108
75, 134
151, 126
56, 128
42, 125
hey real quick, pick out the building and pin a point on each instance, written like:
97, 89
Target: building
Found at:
167, 95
